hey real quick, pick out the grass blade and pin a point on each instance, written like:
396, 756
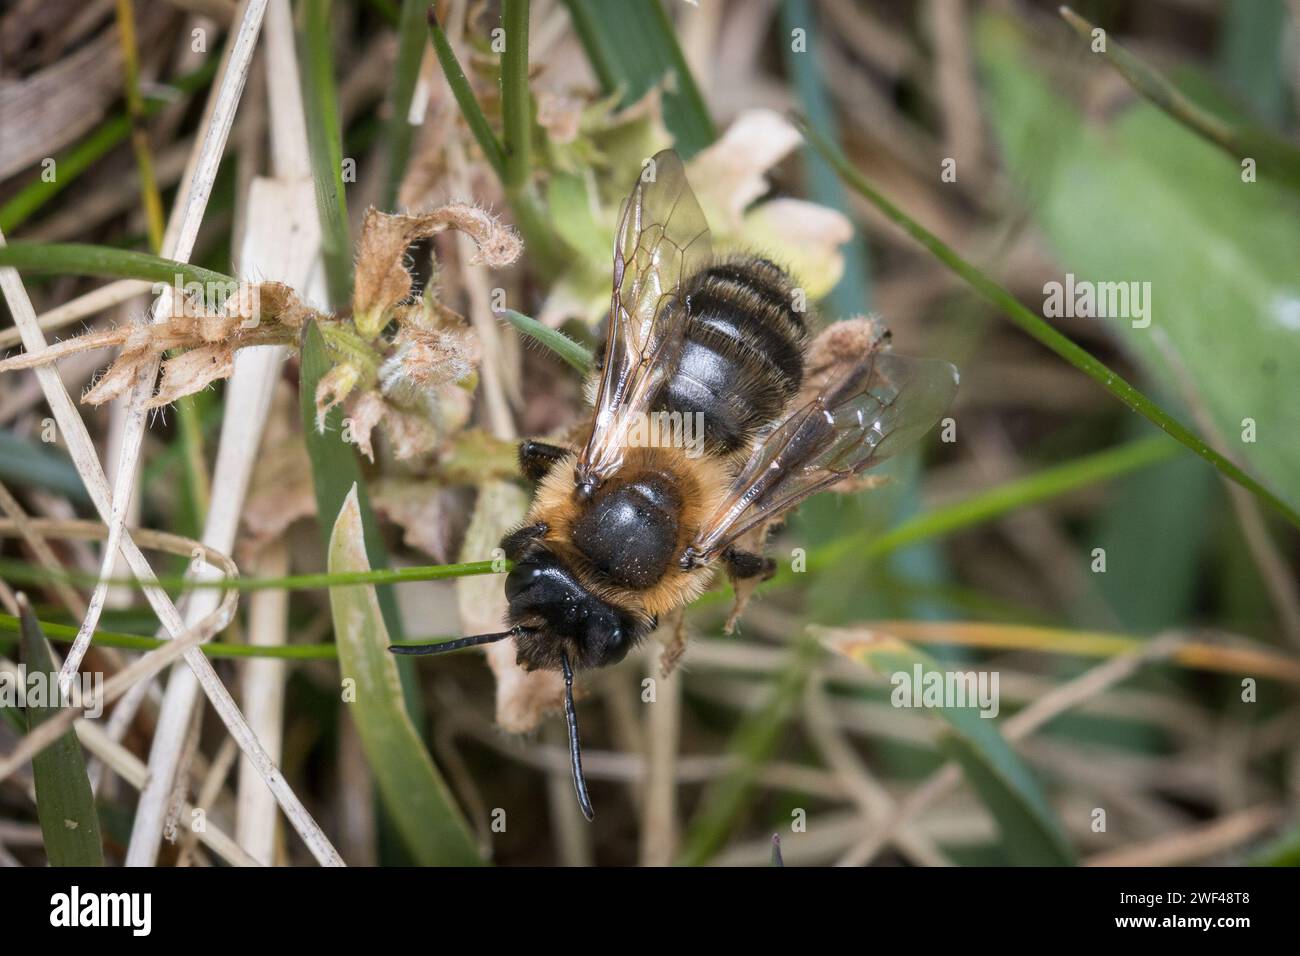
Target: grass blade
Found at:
74, 258
20, 572
1031, 834
995, 502
516, 110
1040, 330
576, 354
64, 802
464, 95
1275, 156
412, 790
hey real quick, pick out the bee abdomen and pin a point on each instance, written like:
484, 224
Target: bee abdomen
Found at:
742, 361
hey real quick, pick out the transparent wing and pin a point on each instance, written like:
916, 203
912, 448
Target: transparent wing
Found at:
662, 238
876, 407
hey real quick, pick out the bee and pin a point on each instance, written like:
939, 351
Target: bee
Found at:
621, 531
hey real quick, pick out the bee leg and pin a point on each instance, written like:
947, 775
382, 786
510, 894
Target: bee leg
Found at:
537, 457
513, 543
746, 564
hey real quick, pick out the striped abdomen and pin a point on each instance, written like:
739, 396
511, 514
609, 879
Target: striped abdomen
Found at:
742, 361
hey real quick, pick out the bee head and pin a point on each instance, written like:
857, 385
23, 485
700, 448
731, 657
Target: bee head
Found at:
554, 611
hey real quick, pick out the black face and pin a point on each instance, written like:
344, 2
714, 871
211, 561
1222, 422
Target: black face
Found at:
557, 612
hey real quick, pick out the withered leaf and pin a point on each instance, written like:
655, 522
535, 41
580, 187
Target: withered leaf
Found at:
382, 279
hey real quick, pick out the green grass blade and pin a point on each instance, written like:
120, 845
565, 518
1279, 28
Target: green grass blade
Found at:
1031, 833
1275, 157
74, 258
21, 572
67, 633
1044, 333
632, 48
410, 49
516, 111
412, 790
324, 139
464, 95
572, 352
64, 801
995, 502
754, 742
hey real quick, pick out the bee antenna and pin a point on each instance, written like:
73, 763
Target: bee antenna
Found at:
442, 647
575, 749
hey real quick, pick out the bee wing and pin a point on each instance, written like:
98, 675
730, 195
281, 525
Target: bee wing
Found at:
662, 238
875, 407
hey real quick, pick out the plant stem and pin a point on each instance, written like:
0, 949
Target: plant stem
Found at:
516, 114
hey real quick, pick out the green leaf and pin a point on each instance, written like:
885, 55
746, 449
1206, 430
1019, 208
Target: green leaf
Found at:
1141, 198
412, 790
632, 48
1031, 834
64, 801
74, 258
559, 343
